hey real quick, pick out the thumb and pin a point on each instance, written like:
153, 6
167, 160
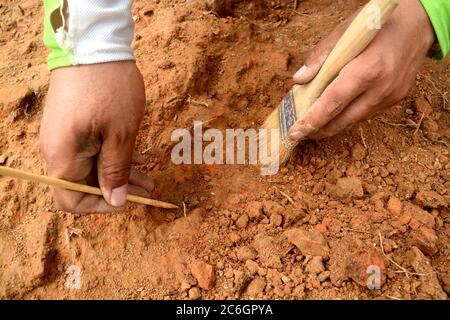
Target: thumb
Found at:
317, 56
114, 166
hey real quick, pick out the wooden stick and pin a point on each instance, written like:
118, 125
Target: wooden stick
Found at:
4, 171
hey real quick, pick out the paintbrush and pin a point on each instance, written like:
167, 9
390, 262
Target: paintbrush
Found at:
300, 98
4, 171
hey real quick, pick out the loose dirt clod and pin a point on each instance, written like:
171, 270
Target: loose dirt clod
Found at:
204, 273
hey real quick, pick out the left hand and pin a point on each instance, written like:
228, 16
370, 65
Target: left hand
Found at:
378, 78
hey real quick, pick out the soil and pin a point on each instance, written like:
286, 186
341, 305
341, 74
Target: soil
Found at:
309, 232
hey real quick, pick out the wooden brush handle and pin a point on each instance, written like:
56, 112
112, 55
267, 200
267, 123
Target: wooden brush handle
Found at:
4, 171
355, 39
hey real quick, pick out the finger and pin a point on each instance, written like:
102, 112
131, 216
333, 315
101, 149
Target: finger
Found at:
114, 165
337, 96
361, 109
77, 202
138, 191
141, 180
317, 56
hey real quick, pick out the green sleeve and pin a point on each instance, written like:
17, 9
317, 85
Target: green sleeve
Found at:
58, 56
439, 13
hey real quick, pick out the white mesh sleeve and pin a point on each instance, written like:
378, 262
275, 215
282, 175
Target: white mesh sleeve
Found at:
100, 30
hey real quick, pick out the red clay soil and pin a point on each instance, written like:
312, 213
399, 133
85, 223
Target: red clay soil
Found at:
309, 232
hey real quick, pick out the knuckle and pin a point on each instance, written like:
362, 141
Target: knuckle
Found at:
116, 172
334, 108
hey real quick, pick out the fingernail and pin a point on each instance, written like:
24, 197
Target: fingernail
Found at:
301, 132
301, 72
119, 196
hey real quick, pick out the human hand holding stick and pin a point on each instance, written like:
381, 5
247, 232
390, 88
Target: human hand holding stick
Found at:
5, 171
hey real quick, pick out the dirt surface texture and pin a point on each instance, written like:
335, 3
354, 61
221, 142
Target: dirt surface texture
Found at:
377, 194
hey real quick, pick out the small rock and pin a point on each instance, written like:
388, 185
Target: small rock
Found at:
430, 199
309, 243
358, 152
292, 215
254, 210
320, 228
430, 287
315, 265
194, 293
204, 273
241, 280
324, 276
445, 278
352, 258
430, 126
404, 219
272, 207
276, 219
423, 106
252, 267
425, 239
256, 286
394, 206
418, 214
405, 190
349, 187
285, 279
269, 250
3, 159
242, 221
245, 253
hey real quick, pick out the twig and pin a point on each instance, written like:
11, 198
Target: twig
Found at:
396, 124
285, 195
419, 123
184, 209
197, 103
356, 230
362, 137
301, 13
4, 171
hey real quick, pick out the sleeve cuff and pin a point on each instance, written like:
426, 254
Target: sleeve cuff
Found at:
88, 31
439, 14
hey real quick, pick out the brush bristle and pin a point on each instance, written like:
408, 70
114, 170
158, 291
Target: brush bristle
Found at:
284, 147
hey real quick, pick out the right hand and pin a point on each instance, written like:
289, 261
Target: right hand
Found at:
88, 132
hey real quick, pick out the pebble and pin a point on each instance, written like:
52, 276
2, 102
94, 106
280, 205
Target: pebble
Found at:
254, 210
194, 293
358, 152
245, 253
430, 199
394, 206
252, 267
425, 239
204, 273
315, 265
242, 221
256, 286
348, 187
3, 158
309, 242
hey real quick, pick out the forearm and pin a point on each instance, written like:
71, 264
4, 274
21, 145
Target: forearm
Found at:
88, 31
439, 14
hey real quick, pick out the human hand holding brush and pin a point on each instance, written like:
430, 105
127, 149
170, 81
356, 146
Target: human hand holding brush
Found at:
378, 78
